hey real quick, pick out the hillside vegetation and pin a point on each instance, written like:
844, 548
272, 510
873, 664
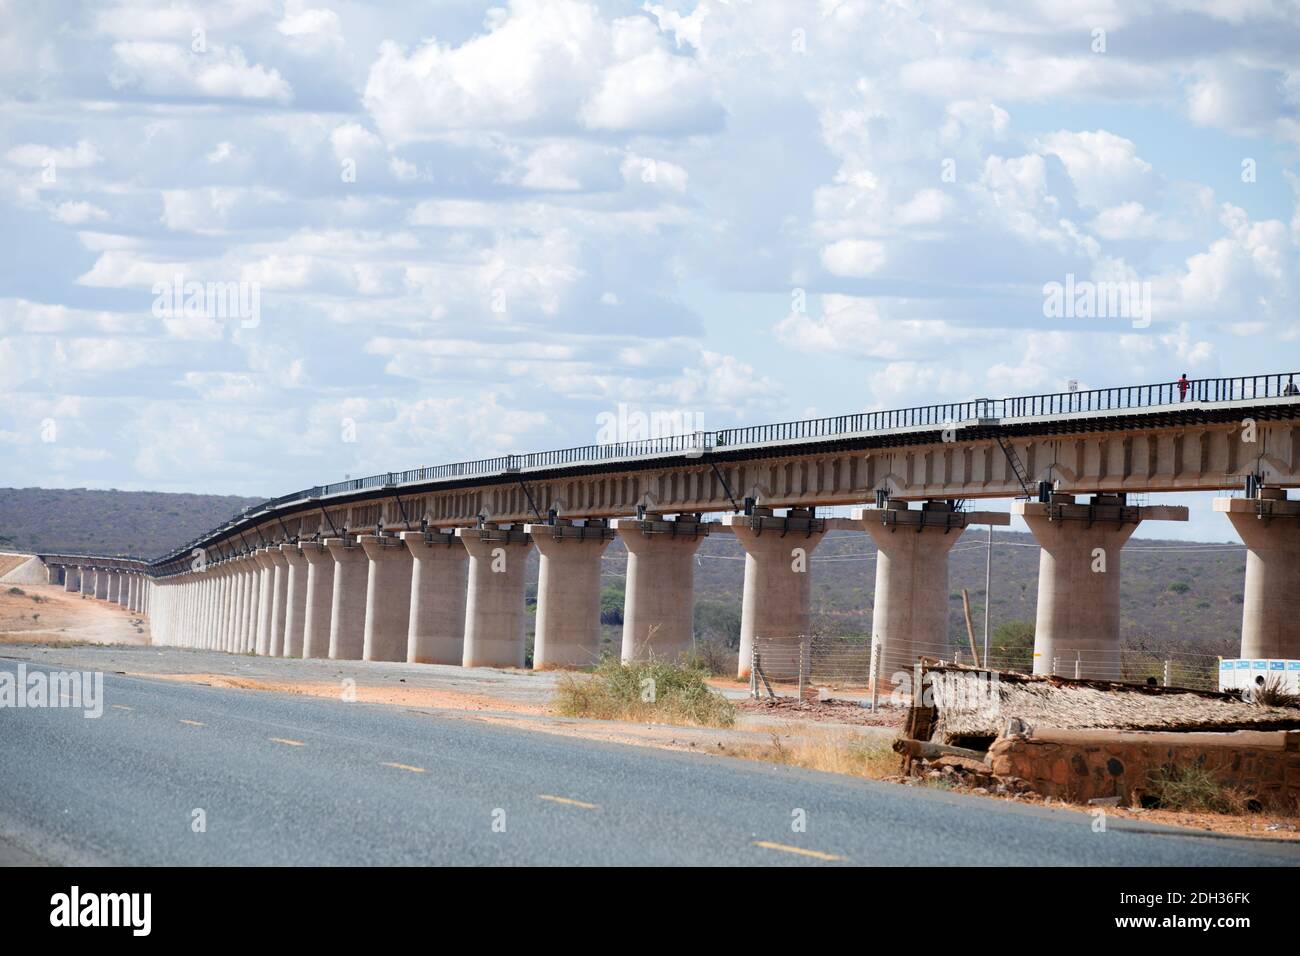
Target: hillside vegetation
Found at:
144, 524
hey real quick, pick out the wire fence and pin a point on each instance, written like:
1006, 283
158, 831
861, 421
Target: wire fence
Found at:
804, 664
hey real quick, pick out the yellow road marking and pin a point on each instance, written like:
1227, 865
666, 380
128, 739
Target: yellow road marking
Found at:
193, 723
815, 854
567, 802
403, 766
283, 740
123, 707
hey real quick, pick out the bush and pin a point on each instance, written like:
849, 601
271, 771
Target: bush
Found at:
714, 658
1272, 693
1192, 787
650, 690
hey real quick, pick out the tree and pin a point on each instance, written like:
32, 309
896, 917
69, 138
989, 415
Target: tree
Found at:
718, 622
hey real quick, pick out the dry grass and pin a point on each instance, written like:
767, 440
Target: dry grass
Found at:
650, 690
1272, 693
855, 756
1193, 788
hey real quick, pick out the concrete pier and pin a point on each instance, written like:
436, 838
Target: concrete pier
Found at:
909, 616
295, 598
72, 579
265, 572
279, 585
1077, 625
88, 582
348, 606
494, 601
776, 602
436, 617
659, 610
1269, 526
388, 598
319, 600
568, 592
101, 584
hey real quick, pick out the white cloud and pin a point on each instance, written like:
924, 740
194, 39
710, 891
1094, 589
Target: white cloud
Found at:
554, 66
171, 71
854, 258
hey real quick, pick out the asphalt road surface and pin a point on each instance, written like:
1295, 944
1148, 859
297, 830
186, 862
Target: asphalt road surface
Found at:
283, 779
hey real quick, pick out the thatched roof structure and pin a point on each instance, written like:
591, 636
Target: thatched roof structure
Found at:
969, 702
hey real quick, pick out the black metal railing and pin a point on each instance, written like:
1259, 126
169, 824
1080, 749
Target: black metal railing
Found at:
1242, 388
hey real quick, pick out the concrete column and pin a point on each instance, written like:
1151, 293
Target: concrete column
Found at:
130, 591
568, 592
114, 581
88, 582
388, 598
659, 610
265, 571
253, 607
295, 598
124, 589
436, 618
230, 601
51, 574
909, 616
319, 602
243, 597
1078, 579
71, 578
1269, 526
348, 605
494, 601
778, 582
101, 584
279, 578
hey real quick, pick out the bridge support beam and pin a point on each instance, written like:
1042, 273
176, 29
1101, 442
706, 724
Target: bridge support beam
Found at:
775, 605
494, 600
909, 616
295, 599
318, 607
659, 609
124, 589
436, 617
568, 592
71, 578
88, 582
1269, 526
1077, 624
348, 607
388, 598
101, 584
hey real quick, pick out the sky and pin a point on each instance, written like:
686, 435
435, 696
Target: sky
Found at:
255, 246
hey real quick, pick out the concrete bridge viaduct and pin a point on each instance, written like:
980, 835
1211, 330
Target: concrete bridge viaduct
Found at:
427, 565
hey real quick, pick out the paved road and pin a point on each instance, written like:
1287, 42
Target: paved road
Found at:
283, 779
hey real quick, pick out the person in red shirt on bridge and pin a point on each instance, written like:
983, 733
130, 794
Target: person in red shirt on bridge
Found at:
1182, 387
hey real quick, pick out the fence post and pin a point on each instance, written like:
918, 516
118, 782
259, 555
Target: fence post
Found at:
753, 672
1169, 674
1056, 665
873, 676
804, 668
1077, 663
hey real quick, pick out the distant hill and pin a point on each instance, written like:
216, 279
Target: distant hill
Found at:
141, 523
1186, 598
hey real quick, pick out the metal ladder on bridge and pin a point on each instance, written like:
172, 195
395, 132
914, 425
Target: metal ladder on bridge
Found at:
1017, 469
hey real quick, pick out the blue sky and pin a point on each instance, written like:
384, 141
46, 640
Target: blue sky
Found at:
474, 230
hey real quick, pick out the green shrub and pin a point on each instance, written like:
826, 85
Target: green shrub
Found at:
652, 690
